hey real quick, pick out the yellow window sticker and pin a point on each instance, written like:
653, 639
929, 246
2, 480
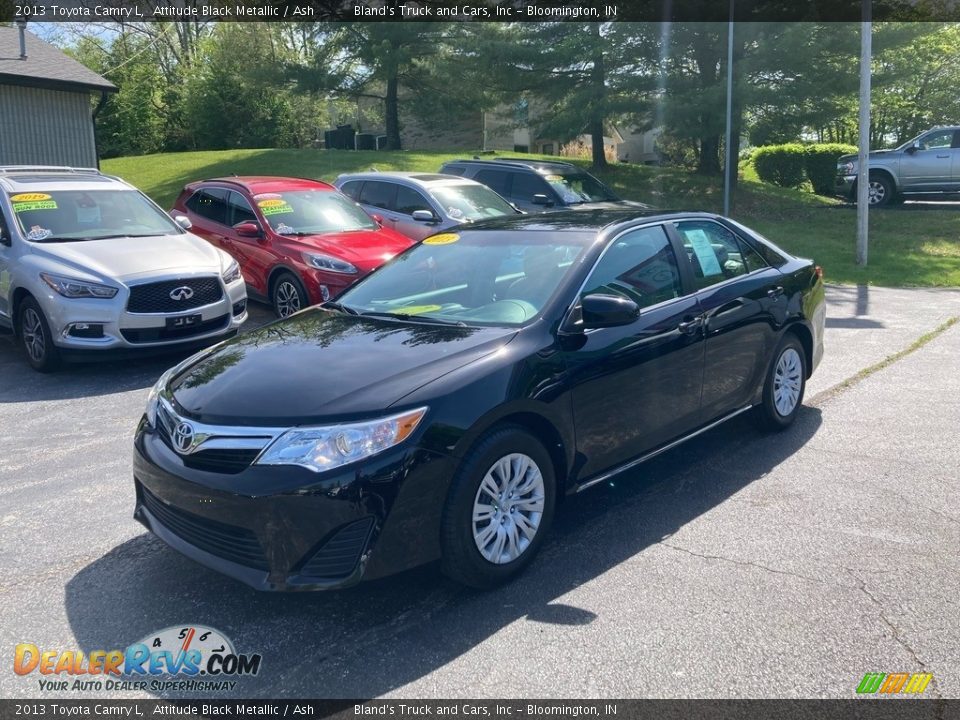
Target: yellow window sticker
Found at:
555, 178
442, 239
272, 202
34, 205
417, 309
276, 210
29, 197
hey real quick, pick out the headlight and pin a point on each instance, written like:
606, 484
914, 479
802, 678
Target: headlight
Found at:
329, 263
325, 448
846, 168
232, 273
68, 287
153, 399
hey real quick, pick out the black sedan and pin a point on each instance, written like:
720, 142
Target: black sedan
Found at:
441, 407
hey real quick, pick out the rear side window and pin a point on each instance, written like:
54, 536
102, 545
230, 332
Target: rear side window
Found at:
453, 170
209, 203
640, 266
526, 185
378, 194
715, 254
496, 180
352, 189
408, 200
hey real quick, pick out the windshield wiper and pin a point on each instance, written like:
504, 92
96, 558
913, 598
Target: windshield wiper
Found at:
341, 307
416, 317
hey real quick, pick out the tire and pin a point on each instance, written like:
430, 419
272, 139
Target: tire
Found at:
36, 338
784, 386
483, 558
287, 295
881, 191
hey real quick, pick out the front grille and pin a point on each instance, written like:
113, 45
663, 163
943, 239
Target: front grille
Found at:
338, 556
155, 297
229, 542
165, 334
227, 461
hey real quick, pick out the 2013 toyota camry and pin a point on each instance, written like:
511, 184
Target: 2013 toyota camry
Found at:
442, 406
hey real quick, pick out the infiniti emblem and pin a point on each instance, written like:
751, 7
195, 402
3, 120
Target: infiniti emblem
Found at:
183, 437
181, 293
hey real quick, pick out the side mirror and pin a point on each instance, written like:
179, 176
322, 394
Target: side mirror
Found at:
5, 238
600, 311
247, 229
914, 148
378, 219
182, 220
541, 199
424, 216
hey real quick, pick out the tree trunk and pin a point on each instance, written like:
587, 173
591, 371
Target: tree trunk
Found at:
392, 112
598, 76
709, 162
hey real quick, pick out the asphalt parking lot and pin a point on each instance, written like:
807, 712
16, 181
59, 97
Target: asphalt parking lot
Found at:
738, 565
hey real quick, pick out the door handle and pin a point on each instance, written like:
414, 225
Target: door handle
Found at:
689, 327
775, 292
943, 157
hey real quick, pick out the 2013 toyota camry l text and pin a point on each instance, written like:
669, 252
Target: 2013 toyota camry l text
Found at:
441, 407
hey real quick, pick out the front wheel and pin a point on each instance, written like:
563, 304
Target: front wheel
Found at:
288, 295
499, 509
880, 191
36, 337
784, 386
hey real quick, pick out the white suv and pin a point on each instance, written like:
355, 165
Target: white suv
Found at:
89, 263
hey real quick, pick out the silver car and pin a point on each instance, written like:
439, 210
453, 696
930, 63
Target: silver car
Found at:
88, 263
421, 204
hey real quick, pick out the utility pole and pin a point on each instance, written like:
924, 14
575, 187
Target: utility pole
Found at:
863, 169
729, 163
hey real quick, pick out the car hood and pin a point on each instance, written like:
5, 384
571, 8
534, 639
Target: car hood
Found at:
360, 247
873, 154
136, 258
321, 365
610, 205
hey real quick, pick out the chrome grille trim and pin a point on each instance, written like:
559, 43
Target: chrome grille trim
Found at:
215, 437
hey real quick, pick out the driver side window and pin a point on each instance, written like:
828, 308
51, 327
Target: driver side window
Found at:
937, 140
640, 266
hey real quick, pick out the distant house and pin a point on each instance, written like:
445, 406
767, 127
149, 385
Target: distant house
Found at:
46, 113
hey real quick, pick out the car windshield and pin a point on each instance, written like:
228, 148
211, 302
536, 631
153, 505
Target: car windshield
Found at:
471, 202
312, 212
477, 278
75, 215
576, 188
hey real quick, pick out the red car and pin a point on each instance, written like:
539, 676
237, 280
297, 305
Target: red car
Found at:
299, 242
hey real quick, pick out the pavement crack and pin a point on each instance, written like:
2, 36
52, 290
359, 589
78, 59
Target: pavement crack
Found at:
745, 563
895, 631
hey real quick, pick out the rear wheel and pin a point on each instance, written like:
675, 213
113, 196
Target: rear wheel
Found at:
499, 509
36, 337
784, 386
288, 295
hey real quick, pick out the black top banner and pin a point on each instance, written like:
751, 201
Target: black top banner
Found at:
478, 10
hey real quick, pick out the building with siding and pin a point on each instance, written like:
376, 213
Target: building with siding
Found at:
47, 103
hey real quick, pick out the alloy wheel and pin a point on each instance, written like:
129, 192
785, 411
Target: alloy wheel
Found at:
508, 508
288, 298
787, 381
33, 338
876, 192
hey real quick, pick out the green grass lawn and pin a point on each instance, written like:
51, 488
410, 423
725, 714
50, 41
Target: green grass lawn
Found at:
913, 245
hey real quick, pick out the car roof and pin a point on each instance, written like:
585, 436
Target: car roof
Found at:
26, 178
580, 220
256, 184
417, 179
540, 166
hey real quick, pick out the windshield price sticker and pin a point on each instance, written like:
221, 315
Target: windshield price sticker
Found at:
34, 205
442, 239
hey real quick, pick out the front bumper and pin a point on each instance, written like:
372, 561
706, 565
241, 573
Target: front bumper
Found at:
844, 185
126, 331
288, 528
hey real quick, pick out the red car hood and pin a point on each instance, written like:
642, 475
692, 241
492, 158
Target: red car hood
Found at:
367, 249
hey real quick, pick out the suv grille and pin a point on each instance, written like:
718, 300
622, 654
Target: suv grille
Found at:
339, 555
155, 297
232, 543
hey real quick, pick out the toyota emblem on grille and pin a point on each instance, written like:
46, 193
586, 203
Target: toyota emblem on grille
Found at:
181, 293
183, 437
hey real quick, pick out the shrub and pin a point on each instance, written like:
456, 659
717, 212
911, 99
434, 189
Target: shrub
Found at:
821, 165
780, 164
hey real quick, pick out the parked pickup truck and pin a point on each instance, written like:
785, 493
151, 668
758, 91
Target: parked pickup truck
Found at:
928, 165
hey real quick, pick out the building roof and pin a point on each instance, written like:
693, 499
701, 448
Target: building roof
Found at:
45, 66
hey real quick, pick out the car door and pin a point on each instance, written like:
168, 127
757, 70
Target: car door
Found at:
742, 301
256, 255
6, 259
955, 162
406, 202
208, 213
928, 168
637, 386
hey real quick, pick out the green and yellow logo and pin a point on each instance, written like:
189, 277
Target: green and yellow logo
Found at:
893, 683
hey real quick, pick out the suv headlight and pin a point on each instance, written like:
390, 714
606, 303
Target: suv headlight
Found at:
325, 448
232, 273
329, 263
68, 287
846, 168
